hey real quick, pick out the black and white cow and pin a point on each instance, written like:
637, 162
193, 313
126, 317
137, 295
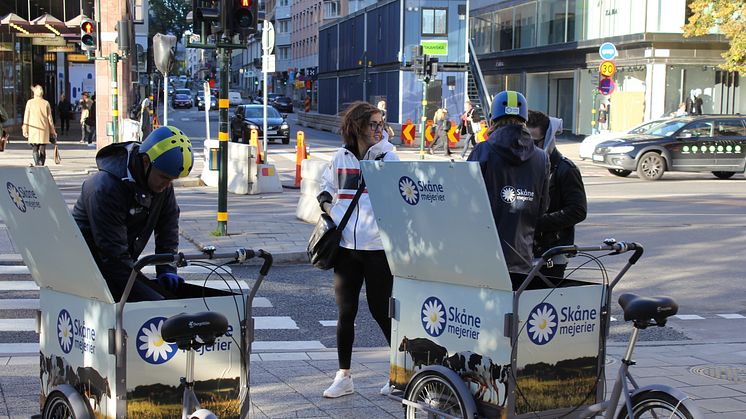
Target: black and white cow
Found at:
423, 351
92, 384
500, 376
490, 379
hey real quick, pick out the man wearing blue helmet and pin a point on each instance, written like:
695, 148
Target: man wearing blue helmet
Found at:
126, 201
516, 174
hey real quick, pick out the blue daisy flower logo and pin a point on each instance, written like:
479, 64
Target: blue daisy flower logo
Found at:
408, 190
16, 197
542, 324
65, 331
508, 194
433, 316
150, 344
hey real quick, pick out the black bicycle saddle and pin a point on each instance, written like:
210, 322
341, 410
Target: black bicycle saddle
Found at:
184, 329
642, 309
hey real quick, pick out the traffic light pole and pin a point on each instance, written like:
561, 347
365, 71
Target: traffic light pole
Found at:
222, 229
114, 59
423, 119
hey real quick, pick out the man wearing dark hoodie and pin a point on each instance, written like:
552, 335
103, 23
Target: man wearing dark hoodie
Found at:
126, 201
516, 174
567, 202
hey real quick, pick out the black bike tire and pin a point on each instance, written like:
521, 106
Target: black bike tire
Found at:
437, 379
643, 402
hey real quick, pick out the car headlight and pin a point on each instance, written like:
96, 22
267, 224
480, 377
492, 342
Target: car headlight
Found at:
621, 149
252, 126
284, 126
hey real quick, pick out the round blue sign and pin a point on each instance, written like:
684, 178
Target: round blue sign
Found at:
607, 51
606, 86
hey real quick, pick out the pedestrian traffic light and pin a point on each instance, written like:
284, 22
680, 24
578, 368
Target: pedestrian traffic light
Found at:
87, 34
204, 14
243, 16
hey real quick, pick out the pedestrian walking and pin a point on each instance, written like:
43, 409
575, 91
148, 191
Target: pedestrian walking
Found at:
85, 109
38, 125
64, 110
466, 127
568, 205
90, 122
516, 175
440, 132
386, 127
361, 259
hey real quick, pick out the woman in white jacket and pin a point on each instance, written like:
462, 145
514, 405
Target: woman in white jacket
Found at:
361, 257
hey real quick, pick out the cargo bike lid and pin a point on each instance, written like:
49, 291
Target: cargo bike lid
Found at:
436, 222
44, 232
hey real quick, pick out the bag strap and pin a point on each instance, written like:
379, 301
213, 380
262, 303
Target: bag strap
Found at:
353, 203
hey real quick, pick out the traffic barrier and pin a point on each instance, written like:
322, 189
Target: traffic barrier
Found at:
307, 104
428, 132
482, 134
254, 142
301, 153
408, 132
310, 186
453, 135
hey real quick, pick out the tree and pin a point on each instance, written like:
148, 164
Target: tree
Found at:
169, 17
729, 17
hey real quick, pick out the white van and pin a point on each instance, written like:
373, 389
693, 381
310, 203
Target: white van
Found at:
234, 98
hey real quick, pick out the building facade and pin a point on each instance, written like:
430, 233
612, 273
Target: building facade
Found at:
367, 56
549, 50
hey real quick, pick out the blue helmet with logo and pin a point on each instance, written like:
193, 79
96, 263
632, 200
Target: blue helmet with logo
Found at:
509, 103
170, 151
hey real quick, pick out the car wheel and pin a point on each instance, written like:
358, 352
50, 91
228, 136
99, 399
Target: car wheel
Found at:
723, 175
620, 172
651, 166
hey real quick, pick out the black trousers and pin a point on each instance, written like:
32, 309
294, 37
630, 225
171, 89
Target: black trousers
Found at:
64, 123
468, 141
39, 152
353, 268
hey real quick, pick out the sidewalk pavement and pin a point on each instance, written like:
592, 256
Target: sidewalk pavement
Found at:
290, 383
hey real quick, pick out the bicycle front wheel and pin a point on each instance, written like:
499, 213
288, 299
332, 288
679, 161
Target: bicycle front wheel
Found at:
655, 404
436, 392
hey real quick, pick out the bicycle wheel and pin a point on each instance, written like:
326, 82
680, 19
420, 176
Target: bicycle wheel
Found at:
435, 391
656, 404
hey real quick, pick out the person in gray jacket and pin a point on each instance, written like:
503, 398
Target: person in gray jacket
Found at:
516, 174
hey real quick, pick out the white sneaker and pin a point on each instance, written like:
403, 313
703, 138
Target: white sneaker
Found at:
341, 386
386, 389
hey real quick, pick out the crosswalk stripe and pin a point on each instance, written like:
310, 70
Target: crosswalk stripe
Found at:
732, 316
689, 317
191, 269
328, 323
216, 284
17, 325
33, 303
260, 323
19, 348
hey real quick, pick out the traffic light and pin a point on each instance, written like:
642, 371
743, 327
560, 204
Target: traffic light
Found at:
432, 68
242, 17
204, 14
87, 34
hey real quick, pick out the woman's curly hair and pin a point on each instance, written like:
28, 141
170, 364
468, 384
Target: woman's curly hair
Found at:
355, 122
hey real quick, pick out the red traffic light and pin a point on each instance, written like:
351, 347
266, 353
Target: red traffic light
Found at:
87, 26
245, 3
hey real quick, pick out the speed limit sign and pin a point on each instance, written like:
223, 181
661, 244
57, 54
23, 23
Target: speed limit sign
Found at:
607, 68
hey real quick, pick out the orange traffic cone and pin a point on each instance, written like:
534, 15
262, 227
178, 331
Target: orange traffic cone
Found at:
300, 155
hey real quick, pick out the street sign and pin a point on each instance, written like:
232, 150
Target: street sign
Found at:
606, 86
607, 68
207, 95
268, 38
434, 47
607, 51
268, 63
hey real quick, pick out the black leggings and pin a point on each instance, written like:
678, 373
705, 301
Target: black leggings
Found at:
354, 267
40, 153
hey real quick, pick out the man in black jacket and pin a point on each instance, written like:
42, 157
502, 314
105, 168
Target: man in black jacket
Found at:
567, 201
126, 201
516, 174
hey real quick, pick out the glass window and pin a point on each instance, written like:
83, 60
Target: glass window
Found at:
503, 21
697, 129
525, 26
434, 22
730, 128
552, 21
667, 128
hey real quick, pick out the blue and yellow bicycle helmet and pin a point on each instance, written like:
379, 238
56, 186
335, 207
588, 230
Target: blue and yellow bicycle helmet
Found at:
509, 103
170, 151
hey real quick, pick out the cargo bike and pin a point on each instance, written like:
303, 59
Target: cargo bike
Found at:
468, 340
186, 357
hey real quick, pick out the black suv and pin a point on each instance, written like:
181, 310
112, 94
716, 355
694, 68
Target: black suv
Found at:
704, 143
248, 117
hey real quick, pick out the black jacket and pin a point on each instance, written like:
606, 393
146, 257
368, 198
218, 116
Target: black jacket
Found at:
516, 175
567, 205
117, 214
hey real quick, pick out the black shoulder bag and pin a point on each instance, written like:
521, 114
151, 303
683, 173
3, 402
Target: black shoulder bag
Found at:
323, 245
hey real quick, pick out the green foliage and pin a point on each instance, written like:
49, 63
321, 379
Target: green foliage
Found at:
169, 17
729, 16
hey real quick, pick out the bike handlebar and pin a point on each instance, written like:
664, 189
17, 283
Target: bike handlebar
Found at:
180, 259
609, 245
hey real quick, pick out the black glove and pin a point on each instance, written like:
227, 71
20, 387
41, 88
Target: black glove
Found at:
170, 280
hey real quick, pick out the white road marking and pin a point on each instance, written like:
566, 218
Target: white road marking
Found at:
689, 317
33, 303
732, 316
191, 269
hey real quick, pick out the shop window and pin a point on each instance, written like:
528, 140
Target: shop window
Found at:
552, 15
503, 21
434, 22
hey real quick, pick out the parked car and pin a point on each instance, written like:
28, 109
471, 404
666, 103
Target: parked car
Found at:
201, 102
705, 143
182, 98
283, 104
248, 117
590, 142
234, 98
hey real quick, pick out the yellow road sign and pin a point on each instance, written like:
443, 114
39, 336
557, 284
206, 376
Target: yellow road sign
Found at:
607, 68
